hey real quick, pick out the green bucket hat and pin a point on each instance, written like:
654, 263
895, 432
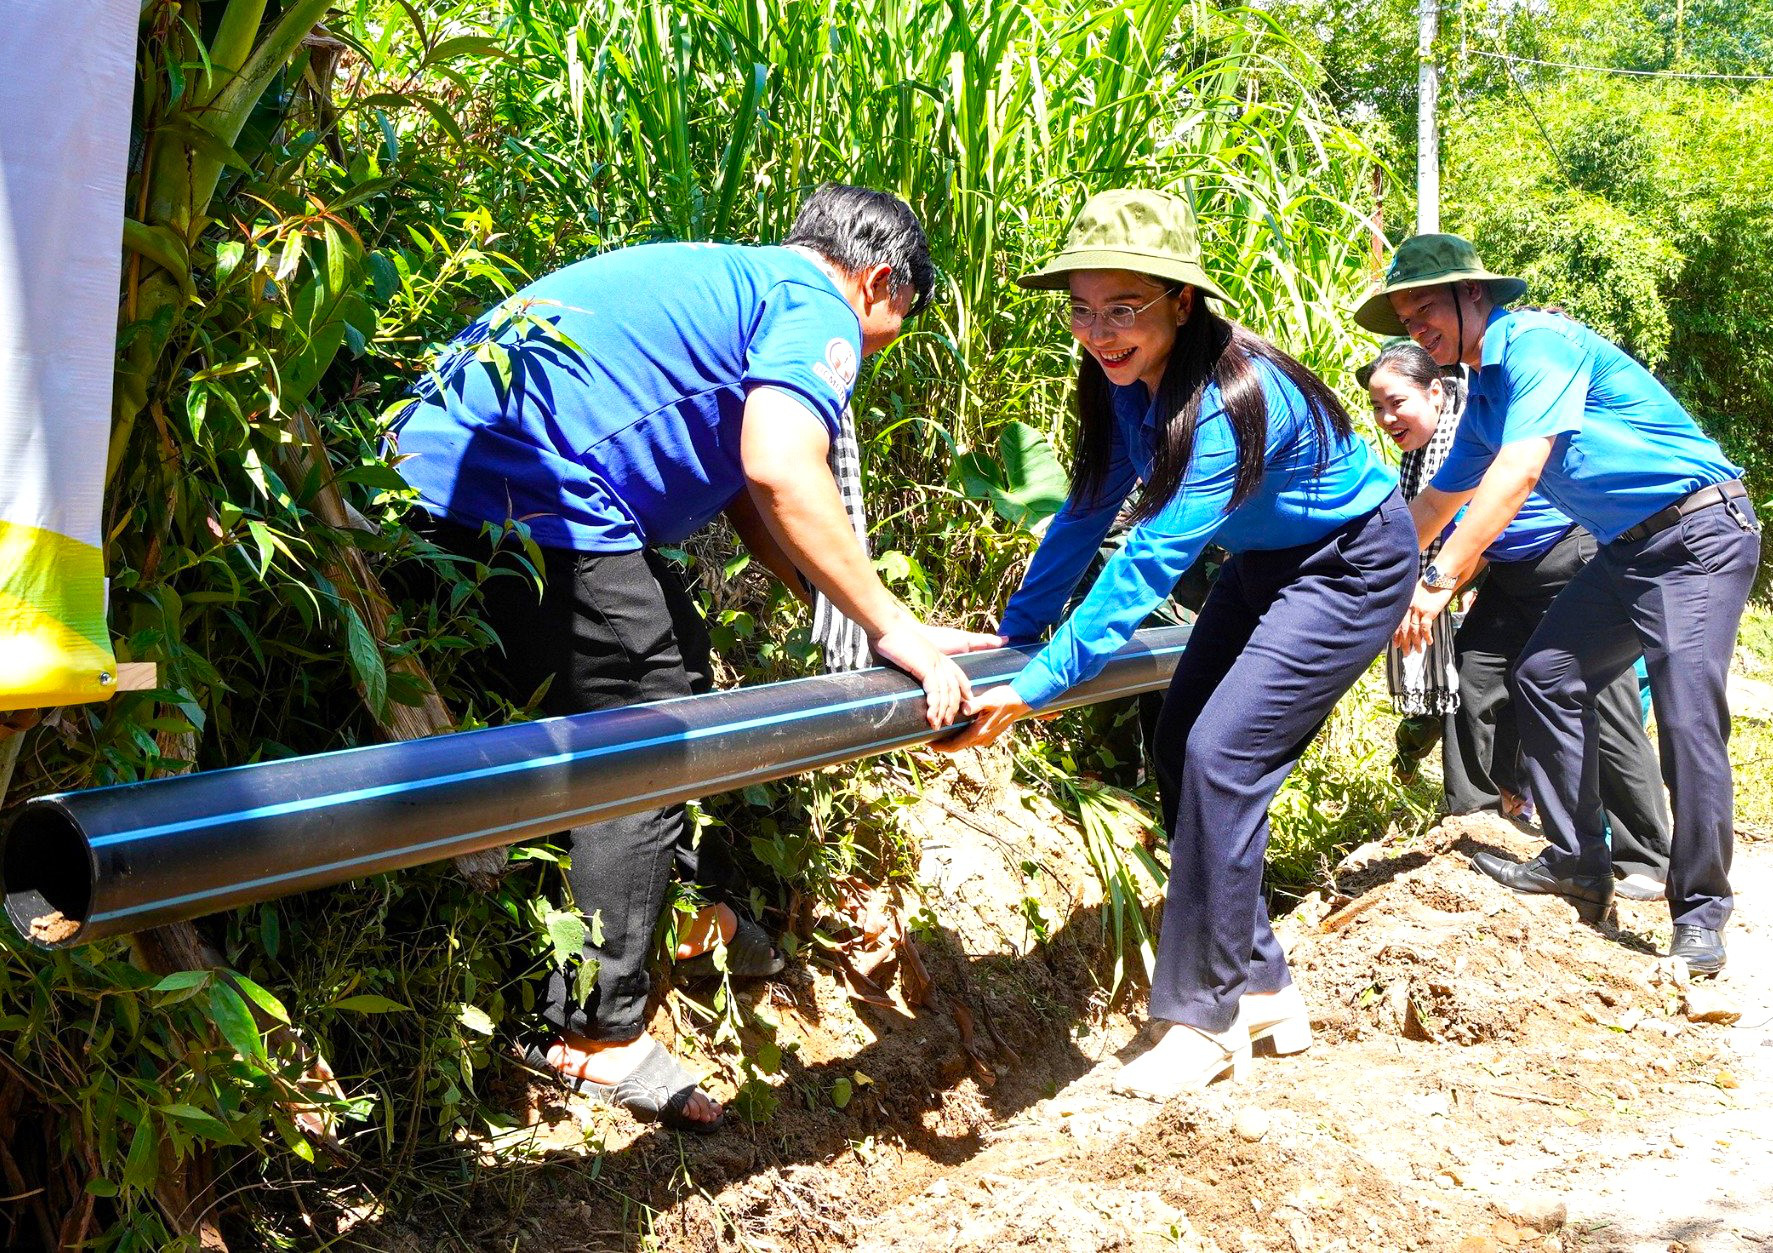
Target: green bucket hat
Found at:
1148, 232
1429, 261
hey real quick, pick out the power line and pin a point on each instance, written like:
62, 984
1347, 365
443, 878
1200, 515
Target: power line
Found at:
1612, 69
1556, 156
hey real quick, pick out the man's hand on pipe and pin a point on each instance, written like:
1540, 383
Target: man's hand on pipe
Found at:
947, 691
953, 640
995, 710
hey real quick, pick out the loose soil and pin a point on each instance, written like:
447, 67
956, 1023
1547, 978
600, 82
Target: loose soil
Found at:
1488, 1075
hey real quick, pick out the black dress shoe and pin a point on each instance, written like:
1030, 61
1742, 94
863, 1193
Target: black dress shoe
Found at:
1591, 895
1701, 947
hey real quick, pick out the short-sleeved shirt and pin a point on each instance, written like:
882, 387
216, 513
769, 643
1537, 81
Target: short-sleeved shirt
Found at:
1536, 528
1623, 446
611, 419
1533, 532
1309, 488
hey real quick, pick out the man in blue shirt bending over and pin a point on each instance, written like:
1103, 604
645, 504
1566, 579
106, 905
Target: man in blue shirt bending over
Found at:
1555, 406
618, 406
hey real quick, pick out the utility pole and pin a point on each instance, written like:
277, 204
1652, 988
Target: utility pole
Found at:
1428, 143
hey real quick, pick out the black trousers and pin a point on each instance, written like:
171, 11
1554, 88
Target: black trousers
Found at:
607, 629
1282, 636
1479, 749
1677, 597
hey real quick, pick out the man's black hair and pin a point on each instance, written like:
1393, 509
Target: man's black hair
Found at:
855, 228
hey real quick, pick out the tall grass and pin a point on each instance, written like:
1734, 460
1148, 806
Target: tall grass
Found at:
626, 120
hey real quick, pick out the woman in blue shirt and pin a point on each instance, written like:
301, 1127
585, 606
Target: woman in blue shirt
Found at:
1238, 444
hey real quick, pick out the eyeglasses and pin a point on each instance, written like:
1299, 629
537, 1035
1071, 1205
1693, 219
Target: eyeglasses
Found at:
1116, 317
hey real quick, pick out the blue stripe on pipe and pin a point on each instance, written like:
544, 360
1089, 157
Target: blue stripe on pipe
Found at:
509, 826
534, 763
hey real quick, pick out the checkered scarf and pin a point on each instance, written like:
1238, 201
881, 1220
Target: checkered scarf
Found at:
1427, 682
844, 642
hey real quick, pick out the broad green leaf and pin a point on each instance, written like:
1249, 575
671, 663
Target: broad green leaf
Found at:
475, 1019
369, 1003
235, 1021
261, 536
228, 255
199, 1121
443, 117
566, 932
585, 978
374, 474
270, 929
366, 660
1033, 485
182, 979
364, 191
384, 276
164, 249
203, 142
142, 1166
464, 46
389, 137
260, 997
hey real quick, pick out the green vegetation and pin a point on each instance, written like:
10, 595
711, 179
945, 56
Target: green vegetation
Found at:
316, 209
1636, 202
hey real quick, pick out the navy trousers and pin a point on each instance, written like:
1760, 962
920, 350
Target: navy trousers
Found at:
1479, 749
1678, 597
1282, 636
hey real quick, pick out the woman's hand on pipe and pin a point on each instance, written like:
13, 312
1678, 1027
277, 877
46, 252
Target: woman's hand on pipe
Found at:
995, 711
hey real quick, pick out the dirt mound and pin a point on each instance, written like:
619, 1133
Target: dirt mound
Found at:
1488, 1075
1433, 951
1276, 1181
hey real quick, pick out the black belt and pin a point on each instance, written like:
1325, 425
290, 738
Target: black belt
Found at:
1693, 502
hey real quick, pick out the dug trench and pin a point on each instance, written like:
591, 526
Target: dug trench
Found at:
1487, 1074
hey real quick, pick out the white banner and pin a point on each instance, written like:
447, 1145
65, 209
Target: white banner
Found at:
64, 141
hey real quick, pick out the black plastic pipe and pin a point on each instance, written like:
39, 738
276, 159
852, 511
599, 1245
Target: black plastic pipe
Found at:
79, 866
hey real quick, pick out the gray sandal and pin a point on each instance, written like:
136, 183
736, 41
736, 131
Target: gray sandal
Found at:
658, 1089
749, 955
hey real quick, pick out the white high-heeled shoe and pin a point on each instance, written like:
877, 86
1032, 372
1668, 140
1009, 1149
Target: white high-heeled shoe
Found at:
1280, 1016
1185, 1059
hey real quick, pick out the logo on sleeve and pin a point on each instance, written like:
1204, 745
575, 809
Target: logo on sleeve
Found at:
838, 369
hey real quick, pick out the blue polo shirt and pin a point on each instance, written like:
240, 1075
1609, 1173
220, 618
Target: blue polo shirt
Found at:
1624, 448
1533, 532
610, 419
1296, 503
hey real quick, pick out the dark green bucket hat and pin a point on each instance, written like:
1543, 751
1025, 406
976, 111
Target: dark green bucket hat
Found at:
1147, 232
1429, 261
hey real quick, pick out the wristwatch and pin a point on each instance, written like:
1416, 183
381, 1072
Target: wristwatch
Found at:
1436, 579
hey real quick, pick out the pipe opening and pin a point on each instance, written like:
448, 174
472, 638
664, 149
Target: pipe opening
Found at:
46, 871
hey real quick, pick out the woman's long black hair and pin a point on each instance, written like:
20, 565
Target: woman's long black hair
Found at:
1208, 349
